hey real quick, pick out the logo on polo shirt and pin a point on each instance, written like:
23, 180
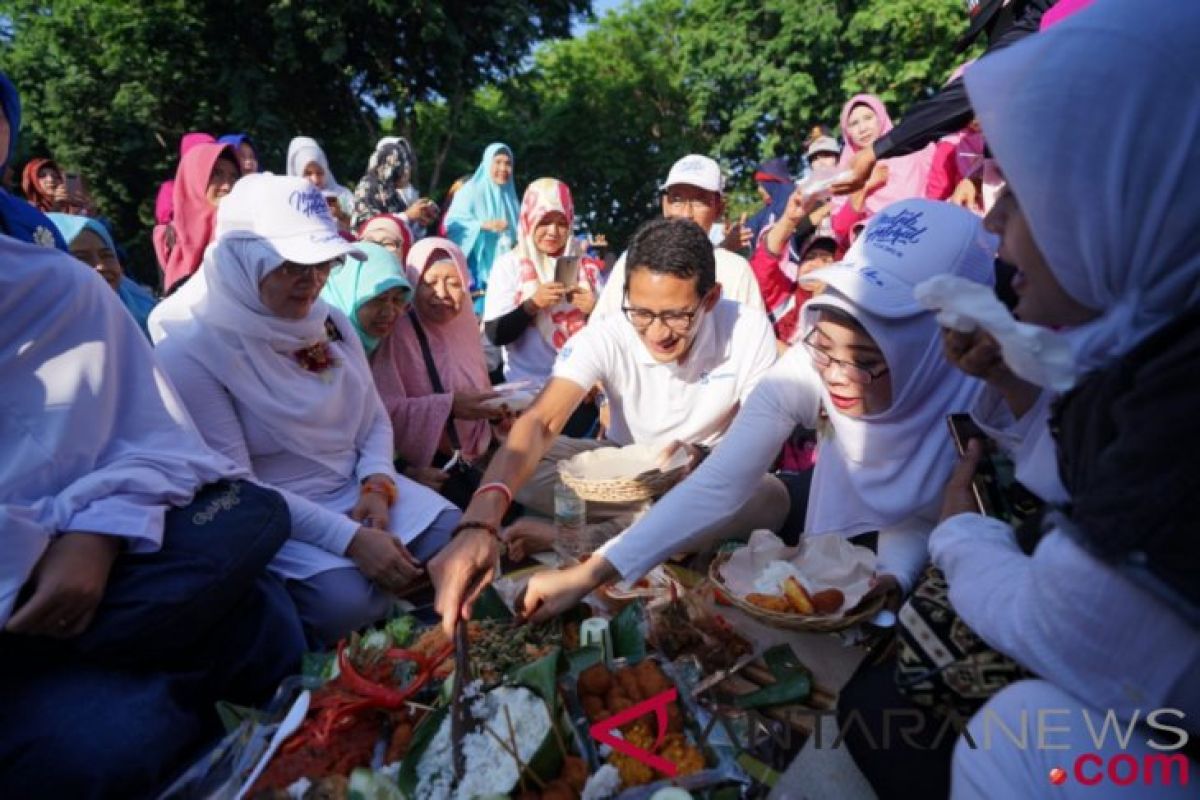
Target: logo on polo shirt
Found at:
890, 231
565, 353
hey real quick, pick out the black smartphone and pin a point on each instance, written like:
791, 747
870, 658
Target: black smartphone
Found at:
987, 485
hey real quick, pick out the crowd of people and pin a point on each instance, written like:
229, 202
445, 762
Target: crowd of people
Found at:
302, 421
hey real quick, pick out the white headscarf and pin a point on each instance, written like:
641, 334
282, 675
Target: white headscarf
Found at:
1068, 113
301, 152
309, 413
93, 435
878, 470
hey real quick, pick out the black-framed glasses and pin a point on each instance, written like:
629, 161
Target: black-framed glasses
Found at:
676, 321
855, 373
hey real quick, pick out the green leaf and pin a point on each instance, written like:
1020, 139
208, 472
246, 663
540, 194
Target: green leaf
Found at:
489, 605
628, 629
318, 665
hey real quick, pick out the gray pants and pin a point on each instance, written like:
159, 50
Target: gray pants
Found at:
336, 602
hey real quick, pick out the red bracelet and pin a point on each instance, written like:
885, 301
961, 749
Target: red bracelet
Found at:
385, 488
495, 486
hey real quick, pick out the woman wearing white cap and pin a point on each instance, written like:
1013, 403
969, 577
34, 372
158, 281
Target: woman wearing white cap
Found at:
277, 379
872, 363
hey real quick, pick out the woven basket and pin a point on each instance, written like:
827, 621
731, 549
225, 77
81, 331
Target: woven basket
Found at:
794, 622
647, 486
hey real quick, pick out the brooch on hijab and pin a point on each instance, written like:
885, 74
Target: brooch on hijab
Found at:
317, 358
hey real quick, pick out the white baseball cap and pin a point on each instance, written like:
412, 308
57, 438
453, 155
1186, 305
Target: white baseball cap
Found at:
696, 170
823, 144
903, 245
288, 212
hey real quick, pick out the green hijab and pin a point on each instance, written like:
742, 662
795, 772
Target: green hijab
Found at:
356, 283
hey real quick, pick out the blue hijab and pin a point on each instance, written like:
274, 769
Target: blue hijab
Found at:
236, 140
773, 177
136, 298
481, 199
18, 218
356, 283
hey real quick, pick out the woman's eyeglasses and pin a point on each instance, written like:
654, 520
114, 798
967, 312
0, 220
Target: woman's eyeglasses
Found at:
323, 269
855, 373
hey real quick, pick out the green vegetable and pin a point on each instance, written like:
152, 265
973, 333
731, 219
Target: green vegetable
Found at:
793, 681
366, 784
401, 630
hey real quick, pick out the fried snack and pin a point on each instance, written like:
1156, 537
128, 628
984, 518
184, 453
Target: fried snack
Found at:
558, 790
594, 707
687, 759
797, 596
575, 773
627, 681
596, 679
650, 679
632, 771
828, 601
771, 602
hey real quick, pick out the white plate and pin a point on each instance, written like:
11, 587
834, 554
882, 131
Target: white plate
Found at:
615, 463
516, 401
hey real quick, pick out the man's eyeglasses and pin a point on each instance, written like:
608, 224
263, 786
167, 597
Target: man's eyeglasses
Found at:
680, 203
676, 321
855, 373
323, 269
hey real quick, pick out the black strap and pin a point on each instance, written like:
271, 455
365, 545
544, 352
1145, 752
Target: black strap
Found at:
434, 378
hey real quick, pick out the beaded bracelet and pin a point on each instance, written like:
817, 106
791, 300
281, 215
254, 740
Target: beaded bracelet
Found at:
495, 486
385, 488
481, 526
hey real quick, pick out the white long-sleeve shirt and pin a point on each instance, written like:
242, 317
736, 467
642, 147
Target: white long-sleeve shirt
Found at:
789, 395
93, 436
319, 496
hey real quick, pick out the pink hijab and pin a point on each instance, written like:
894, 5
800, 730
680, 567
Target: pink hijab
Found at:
907, 175
194, 215
418, 415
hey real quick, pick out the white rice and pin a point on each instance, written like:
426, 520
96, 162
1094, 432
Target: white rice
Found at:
770, 580
490, 768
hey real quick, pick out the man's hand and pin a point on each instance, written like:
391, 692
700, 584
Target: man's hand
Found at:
383, 559
69, 582
960, 497
527, 536
878, 179
799, 206
737, 236
695, 454
460, 572
551, 592
861, 166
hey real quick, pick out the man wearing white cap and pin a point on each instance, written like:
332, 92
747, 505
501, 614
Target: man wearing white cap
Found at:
694, 190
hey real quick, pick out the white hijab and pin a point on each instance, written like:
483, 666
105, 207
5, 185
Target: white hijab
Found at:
92, 431
301, 152
879, 470
1096, 124
318, 416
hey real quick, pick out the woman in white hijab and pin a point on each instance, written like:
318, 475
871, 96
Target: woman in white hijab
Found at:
1107, 609
278, 380
133, 583
306, 159
872, 363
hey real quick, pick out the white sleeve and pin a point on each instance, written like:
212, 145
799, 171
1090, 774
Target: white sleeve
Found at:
785, 398
904, 550
212, 409
610, 298
583, 360
502, 288
744, 286
1063, 614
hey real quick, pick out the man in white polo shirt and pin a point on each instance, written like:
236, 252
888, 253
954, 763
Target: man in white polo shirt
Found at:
675, 365
694, 190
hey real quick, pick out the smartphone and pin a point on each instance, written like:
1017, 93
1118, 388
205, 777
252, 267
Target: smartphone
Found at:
986, 486
566, 270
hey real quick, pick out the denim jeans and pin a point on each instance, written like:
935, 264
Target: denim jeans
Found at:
118, 710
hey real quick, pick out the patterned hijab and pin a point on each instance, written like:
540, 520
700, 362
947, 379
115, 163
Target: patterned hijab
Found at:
387, 186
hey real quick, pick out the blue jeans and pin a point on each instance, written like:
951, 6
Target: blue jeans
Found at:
118, 710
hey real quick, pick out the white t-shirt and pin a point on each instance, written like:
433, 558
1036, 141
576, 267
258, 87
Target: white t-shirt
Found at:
733, 273
530, 357
789, 395
653, 403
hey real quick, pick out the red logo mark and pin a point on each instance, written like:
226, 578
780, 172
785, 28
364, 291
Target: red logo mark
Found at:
603, 731
1058, 776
